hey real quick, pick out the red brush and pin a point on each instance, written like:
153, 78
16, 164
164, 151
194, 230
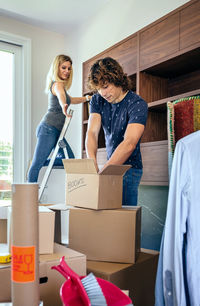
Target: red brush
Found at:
89, 290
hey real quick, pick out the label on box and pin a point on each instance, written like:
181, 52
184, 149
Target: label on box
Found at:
76, 183
23, 264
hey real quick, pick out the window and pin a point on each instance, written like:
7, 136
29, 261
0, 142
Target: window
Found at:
20, 48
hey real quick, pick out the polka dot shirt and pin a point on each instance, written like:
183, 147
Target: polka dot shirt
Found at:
116, 117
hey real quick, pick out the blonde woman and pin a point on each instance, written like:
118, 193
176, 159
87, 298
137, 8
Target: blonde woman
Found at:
59, 80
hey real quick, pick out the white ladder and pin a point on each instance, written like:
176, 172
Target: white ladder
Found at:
60, 144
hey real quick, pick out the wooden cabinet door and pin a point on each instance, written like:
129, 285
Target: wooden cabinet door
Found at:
159, 41
190, 25
126, 54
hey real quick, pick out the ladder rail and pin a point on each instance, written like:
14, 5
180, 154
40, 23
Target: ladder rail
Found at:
50, 165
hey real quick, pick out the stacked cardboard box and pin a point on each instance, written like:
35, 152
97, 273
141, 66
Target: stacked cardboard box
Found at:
98, 225
107, 233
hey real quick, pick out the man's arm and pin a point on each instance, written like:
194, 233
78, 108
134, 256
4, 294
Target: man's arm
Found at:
132, 135
91, 141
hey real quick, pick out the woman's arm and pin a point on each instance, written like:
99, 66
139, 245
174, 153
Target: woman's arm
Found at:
58, 90
78, 100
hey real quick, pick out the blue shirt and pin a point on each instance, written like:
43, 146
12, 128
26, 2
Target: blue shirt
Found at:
116, 117
178, 274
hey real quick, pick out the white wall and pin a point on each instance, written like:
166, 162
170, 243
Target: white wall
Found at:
114, 22
44, 46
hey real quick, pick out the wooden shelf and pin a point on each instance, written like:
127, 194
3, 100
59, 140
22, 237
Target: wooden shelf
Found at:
160, 105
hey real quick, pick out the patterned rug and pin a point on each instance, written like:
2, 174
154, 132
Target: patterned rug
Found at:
183, 119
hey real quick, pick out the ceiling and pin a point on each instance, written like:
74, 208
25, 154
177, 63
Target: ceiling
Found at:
53, 15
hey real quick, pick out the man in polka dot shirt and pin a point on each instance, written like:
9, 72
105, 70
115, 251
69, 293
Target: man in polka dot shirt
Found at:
123, 116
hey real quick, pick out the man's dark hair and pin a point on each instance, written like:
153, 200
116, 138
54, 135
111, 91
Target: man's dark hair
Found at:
108, 70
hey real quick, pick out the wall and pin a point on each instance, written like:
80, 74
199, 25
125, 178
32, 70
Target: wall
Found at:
113, 23
45, 45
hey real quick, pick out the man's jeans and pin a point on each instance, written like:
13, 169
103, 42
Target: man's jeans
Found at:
131, 183
47, 137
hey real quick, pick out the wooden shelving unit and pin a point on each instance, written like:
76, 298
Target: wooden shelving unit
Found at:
163, 62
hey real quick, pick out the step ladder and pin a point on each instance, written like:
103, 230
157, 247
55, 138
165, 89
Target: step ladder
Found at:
60, 144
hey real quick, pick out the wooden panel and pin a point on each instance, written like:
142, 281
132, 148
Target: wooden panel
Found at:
126, 54
184, 83
155, 163
190, 25
159, 40
85, 111
84, 134
152, 88
156, 127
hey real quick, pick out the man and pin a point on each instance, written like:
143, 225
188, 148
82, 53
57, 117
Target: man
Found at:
123, 116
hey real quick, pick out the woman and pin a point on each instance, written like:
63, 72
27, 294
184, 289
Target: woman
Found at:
59, 80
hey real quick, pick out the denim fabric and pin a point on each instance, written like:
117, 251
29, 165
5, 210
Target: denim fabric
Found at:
131, 183
47, 137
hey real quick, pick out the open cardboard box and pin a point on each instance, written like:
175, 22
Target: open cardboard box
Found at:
106, 235
88, 189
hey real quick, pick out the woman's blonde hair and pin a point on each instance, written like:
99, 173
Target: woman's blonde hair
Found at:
54, 69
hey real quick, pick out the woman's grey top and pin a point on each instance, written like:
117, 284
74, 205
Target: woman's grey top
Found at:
54, 115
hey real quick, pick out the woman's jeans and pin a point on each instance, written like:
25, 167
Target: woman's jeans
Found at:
47, 137
131, 181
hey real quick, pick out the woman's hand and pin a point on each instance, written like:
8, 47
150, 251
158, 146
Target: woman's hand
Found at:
64, 109
88, 98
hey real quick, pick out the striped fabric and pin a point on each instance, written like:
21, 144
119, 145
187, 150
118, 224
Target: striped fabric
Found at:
183, 119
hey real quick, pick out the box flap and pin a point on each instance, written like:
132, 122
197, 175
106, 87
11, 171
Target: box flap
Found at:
79, 166
115, 170
59, 251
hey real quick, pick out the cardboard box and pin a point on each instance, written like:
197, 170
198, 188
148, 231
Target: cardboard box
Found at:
138, 279
61, 233
3, 230
53, 280
46, 229
106, 235
3, 222
88, 189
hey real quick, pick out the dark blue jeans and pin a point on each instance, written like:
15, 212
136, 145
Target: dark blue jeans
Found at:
131, 181
47, 137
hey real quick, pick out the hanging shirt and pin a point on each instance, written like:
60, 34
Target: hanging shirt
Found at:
178, 274
116, 117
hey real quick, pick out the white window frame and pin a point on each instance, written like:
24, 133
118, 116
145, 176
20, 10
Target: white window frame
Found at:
22, 107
